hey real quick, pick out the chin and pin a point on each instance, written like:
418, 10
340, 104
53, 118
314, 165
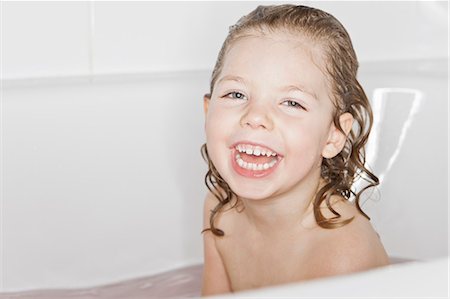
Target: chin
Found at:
251, 191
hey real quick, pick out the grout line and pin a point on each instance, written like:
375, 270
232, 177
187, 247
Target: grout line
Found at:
101, 78
2, 264
434, 66
91, 36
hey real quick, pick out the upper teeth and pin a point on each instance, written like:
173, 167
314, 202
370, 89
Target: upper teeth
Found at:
254, 150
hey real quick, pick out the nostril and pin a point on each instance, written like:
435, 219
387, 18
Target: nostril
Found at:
256, 118
255, 125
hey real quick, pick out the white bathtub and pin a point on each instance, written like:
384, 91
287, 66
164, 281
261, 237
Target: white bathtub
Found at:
103, 180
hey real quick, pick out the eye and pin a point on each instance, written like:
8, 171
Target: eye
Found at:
235, 95
294, 104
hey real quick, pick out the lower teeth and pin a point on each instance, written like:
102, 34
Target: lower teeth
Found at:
253, 166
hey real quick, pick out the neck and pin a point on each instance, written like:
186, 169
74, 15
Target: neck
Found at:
285, 212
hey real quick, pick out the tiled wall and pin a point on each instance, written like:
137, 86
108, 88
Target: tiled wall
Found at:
84, 38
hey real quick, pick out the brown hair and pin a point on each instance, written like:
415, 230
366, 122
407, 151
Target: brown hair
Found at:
341, 171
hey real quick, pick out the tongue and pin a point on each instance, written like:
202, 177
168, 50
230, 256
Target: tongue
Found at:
256, 159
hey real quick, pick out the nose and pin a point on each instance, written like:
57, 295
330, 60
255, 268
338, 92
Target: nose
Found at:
257, 116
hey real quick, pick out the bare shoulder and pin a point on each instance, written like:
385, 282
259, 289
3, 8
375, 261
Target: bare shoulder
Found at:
351, 248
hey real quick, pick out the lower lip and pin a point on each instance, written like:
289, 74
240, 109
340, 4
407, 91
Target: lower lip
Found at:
255, 174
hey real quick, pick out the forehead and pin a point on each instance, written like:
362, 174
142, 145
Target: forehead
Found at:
277, 59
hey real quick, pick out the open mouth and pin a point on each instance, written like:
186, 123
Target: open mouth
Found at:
254, 161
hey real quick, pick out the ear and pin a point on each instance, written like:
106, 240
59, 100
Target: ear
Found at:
206, 99
336, 139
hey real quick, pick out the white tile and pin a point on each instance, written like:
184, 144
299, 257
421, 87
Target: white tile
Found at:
44, 39
155, 36
161, 36
390, 30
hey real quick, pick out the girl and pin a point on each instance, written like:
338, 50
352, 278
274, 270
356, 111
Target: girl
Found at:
286, 124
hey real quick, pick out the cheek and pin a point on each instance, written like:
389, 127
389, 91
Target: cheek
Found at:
215, 127
211, 122
220, 121
217, 131
305, 143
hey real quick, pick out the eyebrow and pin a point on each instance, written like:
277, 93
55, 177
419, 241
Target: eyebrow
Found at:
231, 78
285, 88
302, 89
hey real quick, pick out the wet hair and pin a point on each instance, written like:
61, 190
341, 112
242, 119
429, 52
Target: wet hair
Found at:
325, 31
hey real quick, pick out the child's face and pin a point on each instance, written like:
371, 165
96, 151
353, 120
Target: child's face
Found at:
265, 107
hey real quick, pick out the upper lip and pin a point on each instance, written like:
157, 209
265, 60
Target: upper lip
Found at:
256, 144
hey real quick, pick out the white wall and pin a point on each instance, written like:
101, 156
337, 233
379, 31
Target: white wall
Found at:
102, 123
81, 38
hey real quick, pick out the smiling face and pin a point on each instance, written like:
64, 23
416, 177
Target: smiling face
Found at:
271, 97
